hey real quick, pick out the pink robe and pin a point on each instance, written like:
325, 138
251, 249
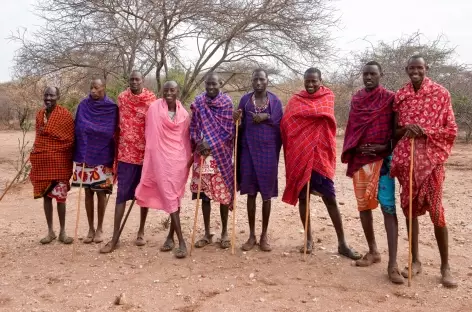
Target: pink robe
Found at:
165, 169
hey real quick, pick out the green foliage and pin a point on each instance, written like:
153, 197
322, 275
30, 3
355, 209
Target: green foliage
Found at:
115, 88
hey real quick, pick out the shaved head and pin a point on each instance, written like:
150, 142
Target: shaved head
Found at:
171, 84
136, 73
97, 89
170, 91
136, 82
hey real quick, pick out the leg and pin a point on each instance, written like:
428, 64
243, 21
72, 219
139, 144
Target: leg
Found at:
101, 199
264, 241
142, 222
391, 227
416, 267
181, 252
373, 255
89, 208
119, 212
47, 203
441, 234
309, 241
207, 239
169, 243
335, 216
61, 211
251, 215
224, 212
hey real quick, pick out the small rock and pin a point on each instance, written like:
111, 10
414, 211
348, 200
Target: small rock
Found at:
89, 295
261, 299
121, 299
140, 266
251, 276
314, 299
285, 254
318, 240
303, 301
227, 289
322, 248
387, 296
342, 203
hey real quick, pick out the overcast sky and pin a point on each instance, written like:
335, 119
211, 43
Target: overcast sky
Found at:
359, 19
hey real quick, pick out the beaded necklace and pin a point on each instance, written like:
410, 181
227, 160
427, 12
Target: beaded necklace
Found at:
260, 109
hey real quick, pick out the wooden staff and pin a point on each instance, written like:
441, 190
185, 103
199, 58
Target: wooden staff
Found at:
307, 217
16, 177
78, 211
197, 205
410, 211
233, 236
124, 221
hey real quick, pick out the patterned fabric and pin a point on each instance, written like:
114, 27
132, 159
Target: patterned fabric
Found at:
259, 148
59, 192
95, 128
213, 185
431, 109
309, 139
366, 185
132, 111
97, 178
212, 119
129, 176
370, 122
386, 193
51, 156
165, 169
320, 186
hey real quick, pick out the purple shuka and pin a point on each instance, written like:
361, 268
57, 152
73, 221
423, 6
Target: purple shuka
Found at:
212, 119
95, 126
259, 148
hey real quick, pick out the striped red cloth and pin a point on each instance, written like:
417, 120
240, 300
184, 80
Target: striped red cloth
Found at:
51, 157
370, 122
309, 139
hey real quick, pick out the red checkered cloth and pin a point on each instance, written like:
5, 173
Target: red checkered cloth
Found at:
309, 139
51, 157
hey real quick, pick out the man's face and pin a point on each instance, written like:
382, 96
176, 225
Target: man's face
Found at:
212, 86
312, 82
170, 93
136, 83
416, 70
97, 90
259, 81
50, 97
371, 76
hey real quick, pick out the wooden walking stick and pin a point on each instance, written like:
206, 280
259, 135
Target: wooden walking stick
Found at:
197, 205
13, 181
307, 217
410, 211
233, 236
78, 212
124, 221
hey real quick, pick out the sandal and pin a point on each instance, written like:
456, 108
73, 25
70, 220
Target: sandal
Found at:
416, 268
141, 242
204, 241
394, 275
168, 246
48, 239
225, 243
368, 260
89, 238
108, 247
249, 245
349, 253
264, 244
63, 238
180, 253
309, 248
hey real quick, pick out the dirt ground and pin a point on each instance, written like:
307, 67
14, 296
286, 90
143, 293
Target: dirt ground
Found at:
47, 278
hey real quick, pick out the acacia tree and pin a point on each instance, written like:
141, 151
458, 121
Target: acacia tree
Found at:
112, 37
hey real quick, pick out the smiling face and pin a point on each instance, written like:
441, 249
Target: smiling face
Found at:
212, 85
416, 70
371, 76
170, 91
136, 82
259, 81
312, 82
50, 97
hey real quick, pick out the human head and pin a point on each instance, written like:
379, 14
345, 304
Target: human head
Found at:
371, 74
212, 84
416, 69
312, 78
97, 89
170, 91
50, 97
260, 80
136, 82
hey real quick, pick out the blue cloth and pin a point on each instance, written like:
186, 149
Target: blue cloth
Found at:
319, 184
128, 176
386, 194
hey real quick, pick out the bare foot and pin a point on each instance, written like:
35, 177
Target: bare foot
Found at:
251, 242
49, 238
447, 280
416, 269
90, 236
98, 237
63, 238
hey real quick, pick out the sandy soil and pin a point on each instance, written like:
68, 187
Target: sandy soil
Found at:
48, 278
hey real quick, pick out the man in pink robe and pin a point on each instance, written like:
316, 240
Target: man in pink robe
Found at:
166, 161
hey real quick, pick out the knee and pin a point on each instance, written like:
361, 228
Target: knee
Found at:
388, 210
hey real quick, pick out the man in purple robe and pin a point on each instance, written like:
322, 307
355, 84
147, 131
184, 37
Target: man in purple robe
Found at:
95, 127
260, 141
